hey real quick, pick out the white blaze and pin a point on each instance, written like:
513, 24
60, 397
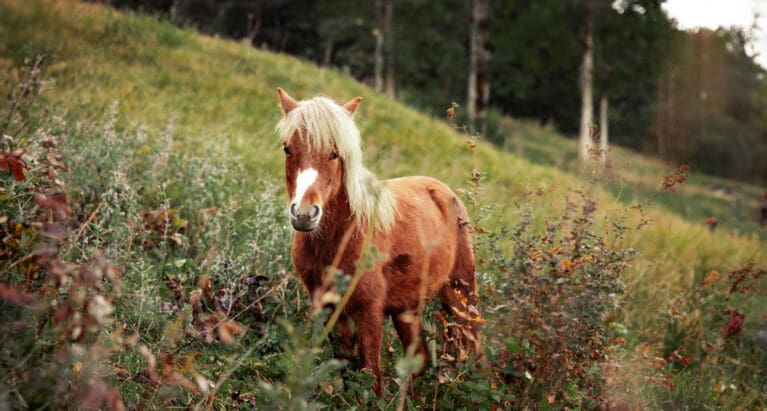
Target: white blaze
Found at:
304, 180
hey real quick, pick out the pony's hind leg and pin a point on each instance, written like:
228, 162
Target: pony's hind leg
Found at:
408, 326
459, 297
460, 300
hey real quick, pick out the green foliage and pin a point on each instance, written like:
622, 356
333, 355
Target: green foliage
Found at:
694, 358
431, 62
204, 299
57, 309
536, 42
302, 375
555, 301
632, 43
123, 248
346, 31
712, 89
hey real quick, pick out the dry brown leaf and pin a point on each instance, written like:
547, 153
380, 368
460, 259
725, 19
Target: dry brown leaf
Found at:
228, 329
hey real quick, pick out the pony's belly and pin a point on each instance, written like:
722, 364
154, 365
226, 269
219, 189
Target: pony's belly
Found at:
423, 241
409, 281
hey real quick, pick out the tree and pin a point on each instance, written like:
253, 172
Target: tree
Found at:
711, 111
604, 127
536, 54
347, 31
585, 85
388, 34
478, 86
378, 82
431, 61
630, 50
383, 58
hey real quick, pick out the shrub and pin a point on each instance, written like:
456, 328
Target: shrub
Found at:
552, 299
55, 308
557, 295
125, 259
695, 358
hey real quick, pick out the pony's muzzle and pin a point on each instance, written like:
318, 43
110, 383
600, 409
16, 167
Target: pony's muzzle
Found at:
305, 219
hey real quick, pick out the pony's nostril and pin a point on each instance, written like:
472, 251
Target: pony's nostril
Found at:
315, 211
293, 210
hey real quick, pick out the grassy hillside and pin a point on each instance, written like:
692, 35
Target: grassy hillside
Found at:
734, 204
214, 92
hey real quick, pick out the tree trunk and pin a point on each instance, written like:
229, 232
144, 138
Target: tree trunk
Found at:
587, 67
388, 46
378, 82
254, 25
660, 116
327, 60
604, 147
478, 87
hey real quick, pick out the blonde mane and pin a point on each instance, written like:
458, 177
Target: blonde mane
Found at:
326, 126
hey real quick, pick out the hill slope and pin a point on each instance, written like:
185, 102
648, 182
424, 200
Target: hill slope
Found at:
225, 92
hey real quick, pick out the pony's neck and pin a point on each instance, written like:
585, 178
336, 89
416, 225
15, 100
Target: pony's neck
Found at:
338, 243
337, 221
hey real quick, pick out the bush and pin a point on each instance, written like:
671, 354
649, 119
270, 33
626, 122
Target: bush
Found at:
556, 298
124, 259
696, 357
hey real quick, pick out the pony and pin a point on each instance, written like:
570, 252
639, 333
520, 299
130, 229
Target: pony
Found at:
418, 226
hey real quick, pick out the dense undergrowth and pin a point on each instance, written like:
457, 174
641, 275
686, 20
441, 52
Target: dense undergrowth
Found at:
174, 269
128, 263
136, 274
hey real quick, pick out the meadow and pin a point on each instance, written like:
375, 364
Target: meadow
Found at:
153, 270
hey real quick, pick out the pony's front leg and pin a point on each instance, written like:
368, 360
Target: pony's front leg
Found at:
369, 322
408, 327
343, 338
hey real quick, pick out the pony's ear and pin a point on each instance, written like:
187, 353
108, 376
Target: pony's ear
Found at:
287, 102
352, 105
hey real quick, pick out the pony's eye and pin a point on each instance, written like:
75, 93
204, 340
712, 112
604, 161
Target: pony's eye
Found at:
287, 150
334, 156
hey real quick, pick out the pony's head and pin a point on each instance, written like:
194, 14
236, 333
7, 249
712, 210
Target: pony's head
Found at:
323, 156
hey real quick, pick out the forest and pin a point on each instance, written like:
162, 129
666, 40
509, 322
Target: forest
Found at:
147, 228
690, 97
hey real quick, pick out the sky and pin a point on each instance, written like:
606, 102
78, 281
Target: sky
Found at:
714, 13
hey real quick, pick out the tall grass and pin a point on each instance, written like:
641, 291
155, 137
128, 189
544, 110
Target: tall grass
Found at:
130, 263
177, 189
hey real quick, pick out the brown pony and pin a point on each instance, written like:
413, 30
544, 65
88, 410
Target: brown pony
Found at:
417, 223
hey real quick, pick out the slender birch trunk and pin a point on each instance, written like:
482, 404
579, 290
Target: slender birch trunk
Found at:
378, 81
604, 124
389, 47
478, 87
587, 67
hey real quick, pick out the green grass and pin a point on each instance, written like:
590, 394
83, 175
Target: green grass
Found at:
635, 176
219, 91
